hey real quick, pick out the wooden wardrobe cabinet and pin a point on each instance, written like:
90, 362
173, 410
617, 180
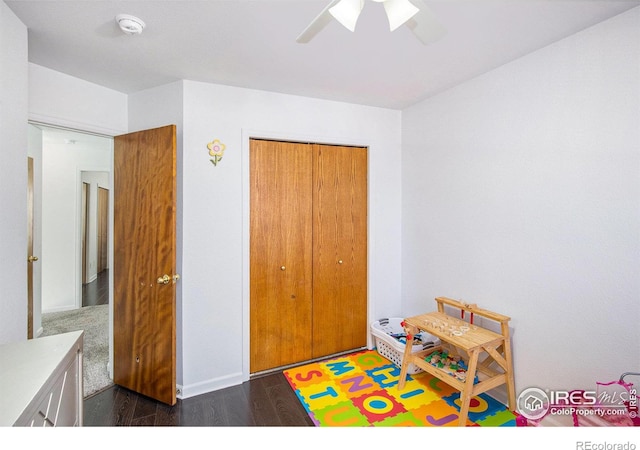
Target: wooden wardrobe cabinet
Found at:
308, 251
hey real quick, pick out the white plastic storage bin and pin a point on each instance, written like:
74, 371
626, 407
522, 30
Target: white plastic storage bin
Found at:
390, 340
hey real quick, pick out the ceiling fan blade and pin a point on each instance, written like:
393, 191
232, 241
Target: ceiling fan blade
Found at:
425, 25
398, 12
317, 25
347, 12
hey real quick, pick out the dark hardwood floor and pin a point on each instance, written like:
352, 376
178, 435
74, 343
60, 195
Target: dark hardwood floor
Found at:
263, 401
96, 292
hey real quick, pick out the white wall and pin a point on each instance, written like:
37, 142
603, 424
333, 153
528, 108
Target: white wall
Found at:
59, 99
215, 214
13, 177
521, 192
63, 164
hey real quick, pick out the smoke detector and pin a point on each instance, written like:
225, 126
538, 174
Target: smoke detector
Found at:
130, 24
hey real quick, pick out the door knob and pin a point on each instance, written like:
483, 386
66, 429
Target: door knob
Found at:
166, 279
32, 258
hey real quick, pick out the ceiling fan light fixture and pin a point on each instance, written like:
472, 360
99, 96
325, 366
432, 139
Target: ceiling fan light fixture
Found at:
414, 14
398, 12
347, 12
130, 24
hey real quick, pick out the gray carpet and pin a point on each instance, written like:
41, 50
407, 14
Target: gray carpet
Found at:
94, 320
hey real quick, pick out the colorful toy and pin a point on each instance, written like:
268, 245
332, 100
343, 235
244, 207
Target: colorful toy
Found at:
418, 339
470, 307
453, 365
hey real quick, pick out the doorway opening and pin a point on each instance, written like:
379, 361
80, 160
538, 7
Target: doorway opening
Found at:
95, 238
73, 217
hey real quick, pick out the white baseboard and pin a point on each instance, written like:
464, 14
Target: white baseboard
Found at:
60, 309
187, 391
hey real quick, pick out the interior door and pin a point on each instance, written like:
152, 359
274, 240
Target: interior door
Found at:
103, 228
280, 253
144, 264
339, 249
31, 259
85, 231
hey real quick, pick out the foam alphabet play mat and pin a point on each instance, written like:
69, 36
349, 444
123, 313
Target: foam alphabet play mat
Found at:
360, 390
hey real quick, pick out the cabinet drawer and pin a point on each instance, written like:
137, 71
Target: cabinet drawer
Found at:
58, 407
42, 381
67, 414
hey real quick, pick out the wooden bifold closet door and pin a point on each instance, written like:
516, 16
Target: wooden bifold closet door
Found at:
308, 251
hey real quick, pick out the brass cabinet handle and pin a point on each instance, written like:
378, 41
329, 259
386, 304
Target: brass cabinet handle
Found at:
340, 261
283, 268
32, 258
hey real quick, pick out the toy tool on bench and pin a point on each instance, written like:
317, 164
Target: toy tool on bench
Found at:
468, 307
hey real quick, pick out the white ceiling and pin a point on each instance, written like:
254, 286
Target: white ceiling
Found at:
253, 44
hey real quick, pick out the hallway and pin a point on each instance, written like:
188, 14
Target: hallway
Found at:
96, 292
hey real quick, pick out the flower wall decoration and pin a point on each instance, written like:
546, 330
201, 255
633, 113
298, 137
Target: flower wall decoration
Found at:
216, 150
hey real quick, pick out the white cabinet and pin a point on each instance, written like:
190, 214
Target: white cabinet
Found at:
41, 381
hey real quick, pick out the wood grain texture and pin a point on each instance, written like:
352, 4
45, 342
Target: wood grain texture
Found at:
85, 231
438, 324
144, 328
280, 253
308, 248
339, 249
103, 229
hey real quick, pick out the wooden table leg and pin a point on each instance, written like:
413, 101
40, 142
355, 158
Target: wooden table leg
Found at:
511, 390
406, 358
466, 394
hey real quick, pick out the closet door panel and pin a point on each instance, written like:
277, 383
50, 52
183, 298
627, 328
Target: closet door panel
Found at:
280, 253
339, 249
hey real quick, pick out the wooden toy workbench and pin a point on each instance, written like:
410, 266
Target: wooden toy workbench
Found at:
468, 342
